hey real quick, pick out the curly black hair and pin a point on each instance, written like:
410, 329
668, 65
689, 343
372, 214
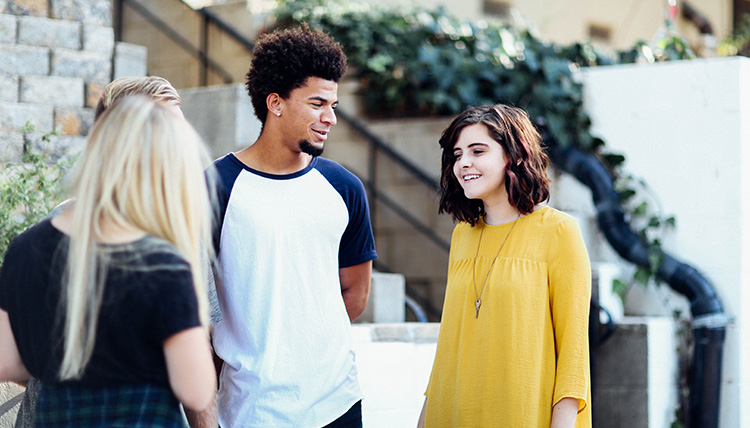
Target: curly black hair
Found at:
284, 59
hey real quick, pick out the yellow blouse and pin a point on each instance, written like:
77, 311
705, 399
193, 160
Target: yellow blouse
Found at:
529, 347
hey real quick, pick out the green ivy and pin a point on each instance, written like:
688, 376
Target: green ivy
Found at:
420, 62
29, 190
738, 43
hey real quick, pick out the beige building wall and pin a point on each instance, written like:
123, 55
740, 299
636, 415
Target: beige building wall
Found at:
567, 21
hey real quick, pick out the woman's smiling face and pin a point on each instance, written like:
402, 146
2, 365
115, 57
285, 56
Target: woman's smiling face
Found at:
479, 165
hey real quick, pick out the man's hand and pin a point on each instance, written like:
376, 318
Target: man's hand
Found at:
355, 288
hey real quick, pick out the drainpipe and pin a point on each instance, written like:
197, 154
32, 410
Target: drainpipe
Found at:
708, 318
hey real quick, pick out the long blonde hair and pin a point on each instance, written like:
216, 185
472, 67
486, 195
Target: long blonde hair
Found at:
142, 168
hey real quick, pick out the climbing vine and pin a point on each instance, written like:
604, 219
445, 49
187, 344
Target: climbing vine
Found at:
29, 189
419, 62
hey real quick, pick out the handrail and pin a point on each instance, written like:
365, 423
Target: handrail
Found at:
184, 43
411, 219
10, 404
226, 27
378, 143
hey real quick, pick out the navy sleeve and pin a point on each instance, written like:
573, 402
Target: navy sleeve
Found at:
223, 174
357, 243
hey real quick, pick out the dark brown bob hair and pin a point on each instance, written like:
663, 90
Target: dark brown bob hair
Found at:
526, 178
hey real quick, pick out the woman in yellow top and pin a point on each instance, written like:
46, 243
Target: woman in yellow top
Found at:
513, 344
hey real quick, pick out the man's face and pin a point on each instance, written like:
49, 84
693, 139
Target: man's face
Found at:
308, 115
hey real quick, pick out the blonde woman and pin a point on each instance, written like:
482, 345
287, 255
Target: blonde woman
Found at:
118, 338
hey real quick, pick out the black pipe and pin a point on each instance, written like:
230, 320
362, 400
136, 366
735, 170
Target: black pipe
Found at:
709, 322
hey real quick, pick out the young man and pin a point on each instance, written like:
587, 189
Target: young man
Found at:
295, 246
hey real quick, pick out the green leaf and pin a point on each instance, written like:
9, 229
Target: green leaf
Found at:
626, 194
641, 209
619, 287
655, 259
642, 276
613, 159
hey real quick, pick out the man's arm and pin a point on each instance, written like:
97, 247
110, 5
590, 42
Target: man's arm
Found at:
207, 418
355, 288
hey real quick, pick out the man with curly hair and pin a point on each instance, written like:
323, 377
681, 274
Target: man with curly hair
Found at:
295, 245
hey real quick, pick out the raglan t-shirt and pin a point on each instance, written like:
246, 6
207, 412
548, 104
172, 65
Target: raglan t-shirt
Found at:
285, 336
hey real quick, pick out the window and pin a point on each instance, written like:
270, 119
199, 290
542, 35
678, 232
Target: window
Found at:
497, 8
600, 33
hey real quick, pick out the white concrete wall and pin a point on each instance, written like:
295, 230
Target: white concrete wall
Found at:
394, 362
222, 115
685, 128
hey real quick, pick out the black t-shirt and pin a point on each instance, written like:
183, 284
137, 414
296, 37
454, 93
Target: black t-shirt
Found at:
148, 297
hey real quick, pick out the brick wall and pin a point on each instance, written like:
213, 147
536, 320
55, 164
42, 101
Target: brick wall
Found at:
55, 59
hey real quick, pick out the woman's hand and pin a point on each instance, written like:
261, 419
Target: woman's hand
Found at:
564, 413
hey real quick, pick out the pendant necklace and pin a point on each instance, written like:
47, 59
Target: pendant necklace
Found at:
478, 295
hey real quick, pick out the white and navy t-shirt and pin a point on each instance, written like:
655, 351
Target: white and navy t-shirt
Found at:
285, 335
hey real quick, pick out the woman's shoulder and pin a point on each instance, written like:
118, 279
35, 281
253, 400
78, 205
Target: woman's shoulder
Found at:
553, 218
463, 228
39, 234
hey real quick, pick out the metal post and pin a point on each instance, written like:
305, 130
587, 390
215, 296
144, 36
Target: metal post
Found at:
117, 10
204, 49
373, 184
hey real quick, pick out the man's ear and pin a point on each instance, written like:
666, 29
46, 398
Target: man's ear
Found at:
273, 103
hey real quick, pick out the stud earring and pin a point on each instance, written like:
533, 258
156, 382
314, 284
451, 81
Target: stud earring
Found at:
278, 113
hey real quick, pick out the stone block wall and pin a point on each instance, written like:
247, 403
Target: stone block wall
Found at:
56, 57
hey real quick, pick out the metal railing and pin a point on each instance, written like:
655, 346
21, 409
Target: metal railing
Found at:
200, 52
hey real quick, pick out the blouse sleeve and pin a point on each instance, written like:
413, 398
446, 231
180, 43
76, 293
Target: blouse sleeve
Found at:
570, 296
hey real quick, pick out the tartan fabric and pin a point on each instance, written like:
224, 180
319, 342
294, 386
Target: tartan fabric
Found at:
127, 406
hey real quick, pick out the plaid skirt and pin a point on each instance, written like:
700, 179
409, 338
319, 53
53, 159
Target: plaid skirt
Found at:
129, 406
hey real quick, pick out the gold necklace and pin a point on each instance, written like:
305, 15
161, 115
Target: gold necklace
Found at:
478, 295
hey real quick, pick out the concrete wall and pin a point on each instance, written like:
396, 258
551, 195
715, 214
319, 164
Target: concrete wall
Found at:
394, 362
634, 386
222, 115
683, 127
